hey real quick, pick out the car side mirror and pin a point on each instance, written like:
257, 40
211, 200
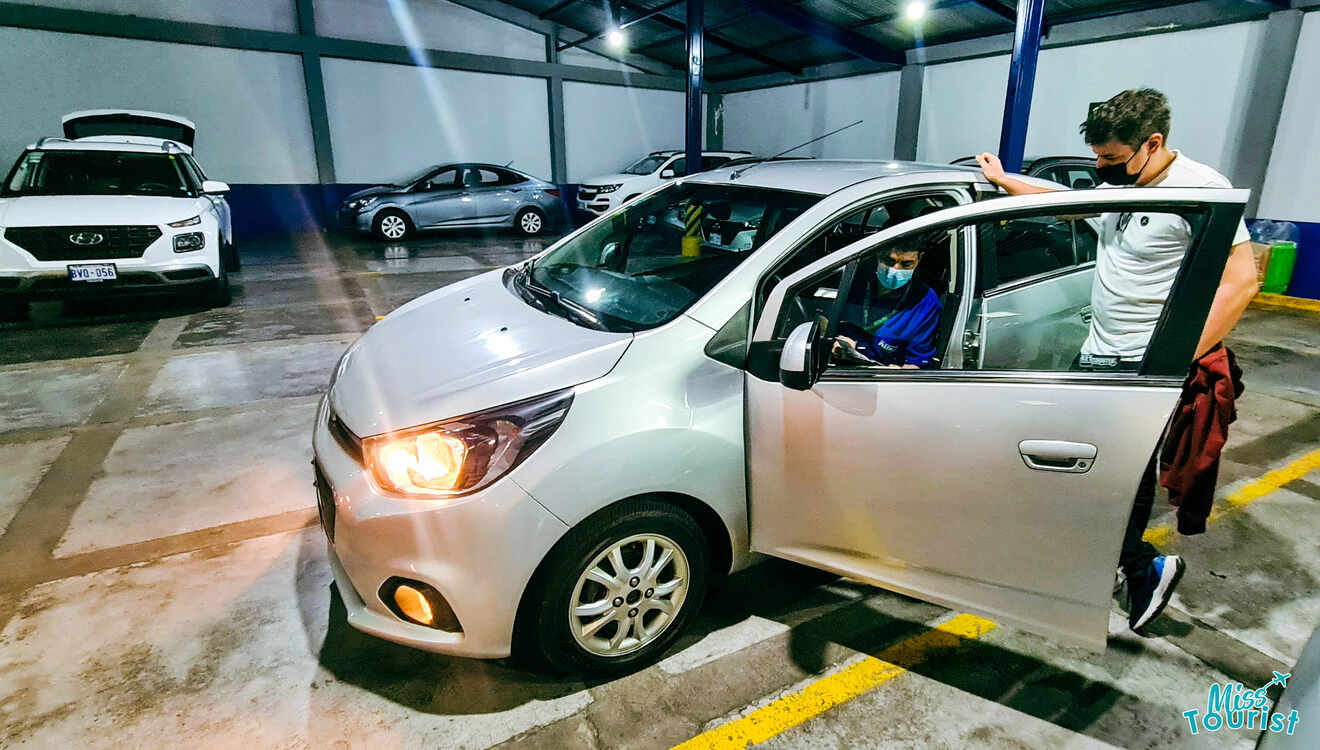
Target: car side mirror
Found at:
666, 174
805, 354
214, 187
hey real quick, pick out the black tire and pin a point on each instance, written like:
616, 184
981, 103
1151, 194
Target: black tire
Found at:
529, 222
13, 310
221, 295
544, 635
229, 255
383, 225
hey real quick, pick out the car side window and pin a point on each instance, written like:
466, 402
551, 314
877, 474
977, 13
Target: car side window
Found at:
508, 177
1016, 249
888, 308
487, 177
445, 179
1040, 306
713, 162
679, 166
852, 227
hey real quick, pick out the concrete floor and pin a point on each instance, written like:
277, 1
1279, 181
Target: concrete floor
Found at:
162, 580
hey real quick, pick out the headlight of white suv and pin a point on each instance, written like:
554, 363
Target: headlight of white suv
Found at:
460, 456
608, 188
194, 221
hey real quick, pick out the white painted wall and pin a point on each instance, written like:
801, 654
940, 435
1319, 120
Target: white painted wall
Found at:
1206, 73
767, 121
250, 107
270, 15
432, 24
1292, 189
387, 120
609, 127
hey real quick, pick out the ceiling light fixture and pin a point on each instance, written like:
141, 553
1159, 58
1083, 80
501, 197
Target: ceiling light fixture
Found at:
616, 38
915, 10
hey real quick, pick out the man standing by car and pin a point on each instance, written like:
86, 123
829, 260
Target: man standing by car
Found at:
1127, 134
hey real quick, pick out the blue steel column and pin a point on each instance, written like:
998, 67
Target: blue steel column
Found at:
1021, 80
696, 61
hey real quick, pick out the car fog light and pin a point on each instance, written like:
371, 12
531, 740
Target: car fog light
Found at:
413, 605
187, 243
416, 602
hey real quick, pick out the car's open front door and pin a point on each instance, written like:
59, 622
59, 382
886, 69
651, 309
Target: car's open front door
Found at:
1003, 492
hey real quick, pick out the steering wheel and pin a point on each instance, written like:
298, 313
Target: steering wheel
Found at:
153, 187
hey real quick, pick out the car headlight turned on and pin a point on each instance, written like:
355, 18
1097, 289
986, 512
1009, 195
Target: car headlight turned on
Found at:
187, 243
460, 456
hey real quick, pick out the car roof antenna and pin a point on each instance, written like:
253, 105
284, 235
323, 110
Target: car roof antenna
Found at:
739, 172
510, 162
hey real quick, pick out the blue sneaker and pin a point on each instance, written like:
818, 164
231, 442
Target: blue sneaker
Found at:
1147, 598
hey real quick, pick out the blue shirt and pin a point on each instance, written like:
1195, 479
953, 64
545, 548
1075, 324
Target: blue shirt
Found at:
907, 320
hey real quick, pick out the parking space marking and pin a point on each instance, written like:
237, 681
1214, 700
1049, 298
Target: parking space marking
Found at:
829, 691
1245, 495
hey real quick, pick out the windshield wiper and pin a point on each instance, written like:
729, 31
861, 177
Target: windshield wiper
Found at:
570, 308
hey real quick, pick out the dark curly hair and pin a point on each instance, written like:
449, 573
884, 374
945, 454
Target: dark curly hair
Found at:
1129, 118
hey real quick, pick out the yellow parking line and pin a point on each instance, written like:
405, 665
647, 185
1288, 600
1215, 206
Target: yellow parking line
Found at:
1284, 302
1246, 494
832, 690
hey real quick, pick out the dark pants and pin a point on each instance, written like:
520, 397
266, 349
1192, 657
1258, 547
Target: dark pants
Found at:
1137, 554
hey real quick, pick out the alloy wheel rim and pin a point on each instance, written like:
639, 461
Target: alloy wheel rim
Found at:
531, 223
392, 227
629, 595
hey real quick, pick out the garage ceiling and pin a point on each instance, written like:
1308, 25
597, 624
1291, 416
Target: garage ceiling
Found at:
757, 37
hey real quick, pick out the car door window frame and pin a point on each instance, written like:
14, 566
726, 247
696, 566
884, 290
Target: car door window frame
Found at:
1008, 286
1176, 333
959, 192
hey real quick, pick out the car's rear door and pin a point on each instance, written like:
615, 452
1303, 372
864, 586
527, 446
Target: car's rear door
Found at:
1003, 492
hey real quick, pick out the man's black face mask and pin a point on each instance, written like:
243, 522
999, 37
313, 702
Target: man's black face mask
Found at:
1117, 174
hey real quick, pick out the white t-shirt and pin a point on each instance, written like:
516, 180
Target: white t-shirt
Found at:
1137, 259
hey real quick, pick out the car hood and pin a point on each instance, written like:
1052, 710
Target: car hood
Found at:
612, 179
464, 348
373, 190
83, 210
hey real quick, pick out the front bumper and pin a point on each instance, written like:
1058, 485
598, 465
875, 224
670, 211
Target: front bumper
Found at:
52, 284
478, 552
354, 219
591, 202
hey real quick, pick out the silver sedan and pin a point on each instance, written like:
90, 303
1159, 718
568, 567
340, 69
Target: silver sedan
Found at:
453, 196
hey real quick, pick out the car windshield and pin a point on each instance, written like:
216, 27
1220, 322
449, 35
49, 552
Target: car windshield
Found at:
413, 177
646, 165
641, 266
98, 173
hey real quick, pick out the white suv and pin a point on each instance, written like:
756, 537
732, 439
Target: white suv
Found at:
116, 206
605, 193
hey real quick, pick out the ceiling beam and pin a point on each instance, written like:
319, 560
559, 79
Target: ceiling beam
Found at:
847, 39
998, 9
553, 9
623, 25
719, 39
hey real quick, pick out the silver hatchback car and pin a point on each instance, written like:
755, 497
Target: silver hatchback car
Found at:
556, 458
454, 196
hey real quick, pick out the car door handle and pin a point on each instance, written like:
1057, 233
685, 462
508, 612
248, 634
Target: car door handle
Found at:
1057, 455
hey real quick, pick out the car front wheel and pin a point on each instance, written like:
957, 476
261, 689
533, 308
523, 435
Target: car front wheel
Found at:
618, 591
529, 222
391, 226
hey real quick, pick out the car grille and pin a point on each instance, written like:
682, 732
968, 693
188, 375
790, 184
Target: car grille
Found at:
325, 502
587, 192
56, 243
